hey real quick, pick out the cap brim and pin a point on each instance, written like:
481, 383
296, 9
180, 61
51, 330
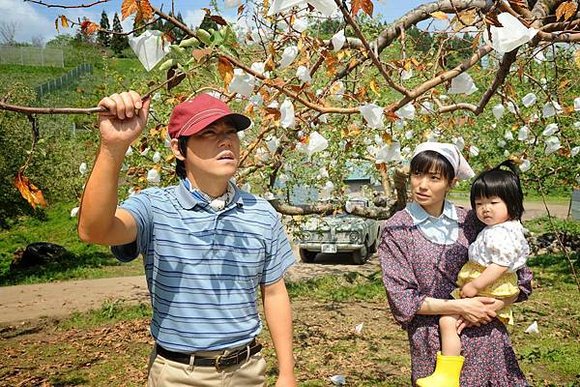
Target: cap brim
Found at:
240, 121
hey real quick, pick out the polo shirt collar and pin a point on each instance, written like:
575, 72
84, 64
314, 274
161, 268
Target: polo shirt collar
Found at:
184, 197
419, 215
188, 201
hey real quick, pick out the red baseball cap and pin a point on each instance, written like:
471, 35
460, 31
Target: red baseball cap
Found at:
193, 116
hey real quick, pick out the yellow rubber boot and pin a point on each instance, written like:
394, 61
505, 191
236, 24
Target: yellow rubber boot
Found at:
447, 372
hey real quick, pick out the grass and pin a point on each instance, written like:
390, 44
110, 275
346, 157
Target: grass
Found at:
110, 346
546, 224
29, 75
81, 260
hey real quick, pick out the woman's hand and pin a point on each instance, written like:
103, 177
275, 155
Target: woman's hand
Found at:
478, 310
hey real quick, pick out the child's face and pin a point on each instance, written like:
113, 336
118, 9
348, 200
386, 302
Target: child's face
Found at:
492, 210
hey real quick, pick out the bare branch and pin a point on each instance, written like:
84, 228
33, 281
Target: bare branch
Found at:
444, 77
330, 209
50, 110
174, 21
559, 36
283, 90
66, 6
413, 17
373, 55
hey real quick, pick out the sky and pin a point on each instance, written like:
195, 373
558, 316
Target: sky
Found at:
33, 20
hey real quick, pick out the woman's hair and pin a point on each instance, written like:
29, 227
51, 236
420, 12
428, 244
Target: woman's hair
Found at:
428, 161
502, 183
179, 164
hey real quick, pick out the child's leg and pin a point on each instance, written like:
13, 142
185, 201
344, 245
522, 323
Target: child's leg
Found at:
450, 342
449, 364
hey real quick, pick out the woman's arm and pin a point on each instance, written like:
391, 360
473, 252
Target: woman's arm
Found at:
476, 311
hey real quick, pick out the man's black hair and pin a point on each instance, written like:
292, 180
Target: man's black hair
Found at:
502, 183
179, 164
429, 161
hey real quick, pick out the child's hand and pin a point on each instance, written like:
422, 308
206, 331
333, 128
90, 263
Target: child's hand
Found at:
468, 290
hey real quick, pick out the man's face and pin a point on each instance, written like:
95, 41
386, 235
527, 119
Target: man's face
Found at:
214, 152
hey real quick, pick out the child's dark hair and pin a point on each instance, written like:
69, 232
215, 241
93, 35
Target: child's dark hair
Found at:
503, 184
427, 161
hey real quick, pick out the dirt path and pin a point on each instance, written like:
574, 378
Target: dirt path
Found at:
26, 302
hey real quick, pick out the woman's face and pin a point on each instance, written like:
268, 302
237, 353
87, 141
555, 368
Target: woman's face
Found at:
429, 190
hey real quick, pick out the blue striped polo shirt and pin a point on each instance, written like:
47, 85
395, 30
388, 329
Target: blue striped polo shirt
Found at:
204, 267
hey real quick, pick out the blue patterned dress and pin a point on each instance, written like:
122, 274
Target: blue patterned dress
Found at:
415, 268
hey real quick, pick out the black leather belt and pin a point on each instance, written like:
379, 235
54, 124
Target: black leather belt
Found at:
219, 362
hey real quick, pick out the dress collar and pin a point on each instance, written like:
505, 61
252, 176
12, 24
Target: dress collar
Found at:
419, 215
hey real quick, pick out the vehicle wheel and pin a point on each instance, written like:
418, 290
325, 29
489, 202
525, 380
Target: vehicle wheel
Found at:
307, 256
361, 256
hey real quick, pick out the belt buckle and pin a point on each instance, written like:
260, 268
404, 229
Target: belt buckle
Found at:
217, 362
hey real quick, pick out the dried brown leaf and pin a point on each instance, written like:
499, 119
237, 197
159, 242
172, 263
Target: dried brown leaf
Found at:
366, 5
29, 191
439, 15
566, 10
226, 70
64, 21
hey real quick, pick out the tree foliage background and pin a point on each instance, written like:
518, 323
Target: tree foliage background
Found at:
330, 87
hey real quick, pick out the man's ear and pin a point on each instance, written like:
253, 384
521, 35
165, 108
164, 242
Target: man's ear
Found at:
175, 149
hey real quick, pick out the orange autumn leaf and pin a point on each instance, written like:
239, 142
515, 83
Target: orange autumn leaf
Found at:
439, 15
64, 21
89, 28
566, 10
331, 63
366, 5
128, 7
142, 8
226, 70
29, 191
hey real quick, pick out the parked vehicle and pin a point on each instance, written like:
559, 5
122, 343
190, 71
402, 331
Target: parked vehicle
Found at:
343, 233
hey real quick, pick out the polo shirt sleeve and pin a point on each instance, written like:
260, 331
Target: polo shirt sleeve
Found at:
279, 256
140, 207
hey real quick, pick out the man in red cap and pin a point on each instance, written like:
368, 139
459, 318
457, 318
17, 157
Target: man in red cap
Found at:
207, 246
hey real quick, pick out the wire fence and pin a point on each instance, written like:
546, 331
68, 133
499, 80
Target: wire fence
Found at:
63, 81
32, 56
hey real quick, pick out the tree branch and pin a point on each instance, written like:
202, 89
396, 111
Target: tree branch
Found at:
283, 90
369, 50
444, 77
329, 209
66, 6
174, 21
413, 17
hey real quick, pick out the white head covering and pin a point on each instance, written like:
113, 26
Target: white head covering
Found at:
462, 169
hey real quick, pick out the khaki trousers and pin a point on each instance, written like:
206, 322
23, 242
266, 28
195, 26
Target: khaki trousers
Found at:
167, 373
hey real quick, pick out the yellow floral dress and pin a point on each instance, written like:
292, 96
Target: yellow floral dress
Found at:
505, 245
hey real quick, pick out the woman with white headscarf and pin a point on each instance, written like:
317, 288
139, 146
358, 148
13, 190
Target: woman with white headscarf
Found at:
422, 249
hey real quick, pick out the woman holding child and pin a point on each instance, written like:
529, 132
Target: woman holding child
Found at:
422, 250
